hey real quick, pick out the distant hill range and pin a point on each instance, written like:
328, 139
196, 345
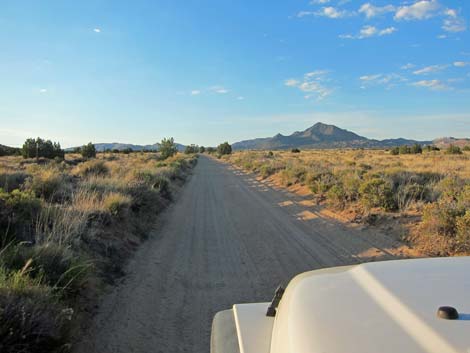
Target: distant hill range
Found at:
7, 151
100, 147
321, 136
446, 141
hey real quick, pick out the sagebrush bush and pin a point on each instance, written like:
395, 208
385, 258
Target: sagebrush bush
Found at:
13, 180
93, 167
377, 192
49, 184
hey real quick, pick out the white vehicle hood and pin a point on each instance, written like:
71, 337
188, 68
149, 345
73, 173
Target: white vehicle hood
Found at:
385, 307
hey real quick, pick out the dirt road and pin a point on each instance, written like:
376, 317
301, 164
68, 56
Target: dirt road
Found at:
227, 239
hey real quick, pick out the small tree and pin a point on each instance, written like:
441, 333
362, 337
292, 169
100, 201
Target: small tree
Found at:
416, 149
202, 149
395, 151
88, 151
404, 149
167, 148
191, 149
224, 148
35, 148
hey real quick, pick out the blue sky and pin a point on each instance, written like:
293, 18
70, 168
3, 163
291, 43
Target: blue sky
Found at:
209, 71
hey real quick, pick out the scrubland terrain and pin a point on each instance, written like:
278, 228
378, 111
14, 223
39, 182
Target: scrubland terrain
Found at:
66, 230
422, 198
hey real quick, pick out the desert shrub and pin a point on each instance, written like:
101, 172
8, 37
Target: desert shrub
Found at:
224, 149
162, 184
320, 182
466, 148
31, 319
94, 167
395, 151
88, 151
440, 218
452, 149
416, 149
266, 170
167, 148
377, 192
18, 210
12, 181
295, 150
450, 187
404, 149
48, 184
191, 149
117, 204
336, 196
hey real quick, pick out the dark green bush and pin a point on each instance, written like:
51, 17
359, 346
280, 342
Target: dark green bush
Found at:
377, 192
295, 150
224, 148
36, 148
88, 151
167, 148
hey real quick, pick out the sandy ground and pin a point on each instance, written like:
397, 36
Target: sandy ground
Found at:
227, 239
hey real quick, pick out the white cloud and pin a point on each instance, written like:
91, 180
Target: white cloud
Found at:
435, 85
420, 10
370, 77
441, 36
314, 2
195, 92
461, 63
292, 82
453, 23
407, 66
97, 30
219, 89
370, 10
387, 80
312, 85
430, 69
370, 31
331, 12
43, 90
240, 98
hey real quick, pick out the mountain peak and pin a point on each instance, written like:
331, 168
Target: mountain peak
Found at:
319, 135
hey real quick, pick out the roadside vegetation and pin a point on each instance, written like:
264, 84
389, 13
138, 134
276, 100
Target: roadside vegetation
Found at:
427, 190
67, 224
